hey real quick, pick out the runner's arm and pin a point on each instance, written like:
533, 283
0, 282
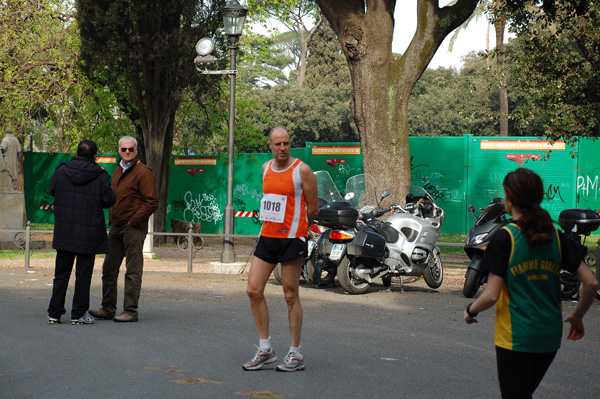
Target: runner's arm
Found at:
309, 187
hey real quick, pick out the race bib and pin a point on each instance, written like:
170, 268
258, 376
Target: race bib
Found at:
272, 208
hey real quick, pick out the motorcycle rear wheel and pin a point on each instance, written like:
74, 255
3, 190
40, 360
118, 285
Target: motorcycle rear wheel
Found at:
591, 262
570, 290
348, 281
434, 272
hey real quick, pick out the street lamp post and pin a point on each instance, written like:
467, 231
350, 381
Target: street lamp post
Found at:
233, 19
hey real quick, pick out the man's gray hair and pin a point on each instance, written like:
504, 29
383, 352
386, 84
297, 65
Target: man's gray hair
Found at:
128, 138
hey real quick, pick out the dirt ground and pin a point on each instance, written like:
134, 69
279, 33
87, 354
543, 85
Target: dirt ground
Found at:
169, 265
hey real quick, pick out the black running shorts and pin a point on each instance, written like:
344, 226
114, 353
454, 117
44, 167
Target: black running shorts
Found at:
274, 250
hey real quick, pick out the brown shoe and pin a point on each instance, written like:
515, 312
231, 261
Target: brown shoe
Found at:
101, 314
125, 318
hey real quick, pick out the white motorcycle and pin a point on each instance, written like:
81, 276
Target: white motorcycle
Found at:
403, 245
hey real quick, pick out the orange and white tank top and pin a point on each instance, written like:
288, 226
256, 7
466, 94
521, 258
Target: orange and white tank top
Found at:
283, 206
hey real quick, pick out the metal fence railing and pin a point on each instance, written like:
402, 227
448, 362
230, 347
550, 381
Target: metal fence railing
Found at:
23, 239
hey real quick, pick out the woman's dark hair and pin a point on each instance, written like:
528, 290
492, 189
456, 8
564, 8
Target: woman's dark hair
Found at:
525, 190
87, 149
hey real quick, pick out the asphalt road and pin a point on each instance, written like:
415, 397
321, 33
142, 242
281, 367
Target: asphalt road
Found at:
196, 331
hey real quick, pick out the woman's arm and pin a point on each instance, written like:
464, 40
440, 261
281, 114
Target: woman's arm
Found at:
487, 299
589, 289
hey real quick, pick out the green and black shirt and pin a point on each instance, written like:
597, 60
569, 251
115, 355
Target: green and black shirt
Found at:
529, 311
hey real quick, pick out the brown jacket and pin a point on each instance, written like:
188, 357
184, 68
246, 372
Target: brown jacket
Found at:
137, 195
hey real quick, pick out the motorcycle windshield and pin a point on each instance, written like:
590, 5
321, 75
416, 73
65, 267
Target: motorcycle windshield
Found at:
492, 211
363, 189
327, 190
418, 192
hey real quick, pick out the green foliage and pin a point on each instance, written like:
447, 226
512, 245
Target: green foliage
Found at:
43, 94
317, 111
446, 102
554, 66
266, 59
287, 12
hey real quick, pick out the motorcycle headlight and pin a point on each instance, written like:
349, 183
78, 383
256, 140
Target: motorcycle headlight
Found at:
479, 238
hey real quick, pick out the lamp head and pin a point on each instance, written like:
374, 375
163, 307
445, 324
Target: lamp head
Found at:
205, 46
233, 19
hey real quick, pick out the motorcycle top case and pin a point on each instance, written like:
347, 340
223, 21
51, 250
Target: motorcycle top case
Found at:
367, 244
337, 215
585, 219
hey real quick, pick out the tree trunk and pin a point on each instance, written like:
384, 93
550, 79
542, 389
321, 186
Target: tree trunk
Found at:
499, 25
303, 56
381, 85
157, 107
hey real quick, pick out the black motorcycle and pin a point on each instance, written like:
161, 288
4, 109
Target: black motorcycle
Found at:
577, 225
492, 218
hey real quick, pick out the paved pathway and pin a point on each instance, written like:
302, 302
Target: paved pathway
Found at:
195, 331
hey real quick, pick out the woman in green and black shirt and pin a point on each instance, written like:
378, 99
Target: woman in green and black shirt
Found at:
524, 261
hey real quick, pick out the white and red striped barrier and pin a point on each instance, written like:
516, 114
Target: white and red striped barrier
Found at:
246, 214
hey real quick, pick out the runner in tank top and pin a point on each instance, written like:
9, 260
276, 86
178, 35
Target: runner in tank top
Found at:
288, 206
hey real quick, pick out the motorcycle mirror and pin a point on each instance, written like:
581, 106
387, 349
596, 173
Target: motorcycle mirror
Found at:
349, 196
385, 193
471, 208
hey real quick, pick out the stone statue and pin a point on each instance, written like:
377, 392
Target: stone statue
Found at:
10, 148
11, 200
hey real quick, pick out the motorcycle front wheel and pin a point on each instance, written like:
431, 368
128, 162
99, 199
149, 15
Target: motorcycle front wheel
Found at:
348, 281
434, 272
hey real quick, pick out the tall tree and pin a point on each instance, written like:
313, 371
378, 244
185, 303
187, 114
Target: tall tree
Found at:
381, 84
498, 20
297, 16
143, 51
317, 111
38, 62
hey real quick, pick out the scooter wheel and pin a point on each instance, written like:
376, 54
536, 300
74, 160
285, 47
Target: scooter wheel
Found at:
277, 273
473, 280
321, 272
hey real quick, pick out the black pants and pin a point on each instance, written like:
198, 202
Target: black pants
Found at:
520, 373
83, 278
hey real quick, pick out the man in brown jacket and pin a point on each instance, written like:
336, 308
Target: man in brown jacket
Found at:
137, 199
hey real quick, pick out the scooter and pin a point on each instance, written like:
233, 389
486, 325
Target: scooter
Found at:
491, 219
576, 223
331, 246
405, 244
321, 267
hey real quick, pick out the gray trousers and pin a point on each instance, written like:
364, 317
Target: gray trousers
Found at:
126, 242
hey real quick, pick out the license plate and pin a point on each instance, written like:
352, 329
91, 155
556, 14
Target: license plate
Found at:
311, 245
337, 251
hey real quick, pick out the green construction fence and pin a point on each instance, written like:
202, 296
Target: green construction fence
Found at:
457, 171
